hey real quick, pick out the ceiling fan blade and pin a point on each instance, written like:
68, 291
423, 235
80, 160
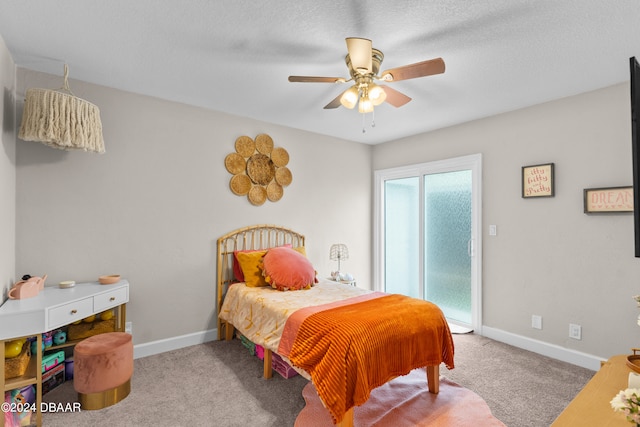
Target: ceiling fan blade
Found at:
312, 79
395, 98
412, 71
335, 103
360, 54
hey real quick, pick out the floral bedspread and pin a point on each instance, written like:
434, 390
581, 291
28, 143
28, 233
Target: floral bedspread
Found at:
261, 313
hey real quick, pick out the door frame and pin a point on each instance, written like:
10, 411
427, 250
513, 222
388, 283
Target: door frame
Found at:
471, 162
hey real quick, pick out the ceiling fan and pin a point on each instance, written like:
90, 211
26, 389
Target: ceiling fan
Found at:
363, 62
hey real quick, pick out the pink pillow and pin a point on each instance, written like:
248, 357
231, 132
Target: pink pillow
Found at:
237, 270
286, 269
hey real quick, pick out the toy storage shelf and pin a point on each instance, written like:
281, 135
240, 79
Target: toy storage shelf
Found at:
67, 344
52, 309
28, 378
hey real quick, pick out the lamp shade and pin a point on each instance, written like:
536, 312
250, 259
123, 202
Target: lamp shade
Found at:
377, 95
61, 120
365, 105
349, 98
338, 252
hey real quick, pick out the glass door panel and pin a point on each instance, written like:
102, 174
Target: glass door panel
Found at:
401, 236
447, 243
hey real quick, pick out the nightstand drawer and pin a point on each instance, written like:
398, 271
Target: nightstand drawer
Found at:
70, 313
109, 299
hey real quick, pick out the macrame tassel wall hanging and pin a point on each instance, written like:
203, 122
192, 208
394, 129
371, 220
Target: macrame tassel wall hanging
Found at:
61, 120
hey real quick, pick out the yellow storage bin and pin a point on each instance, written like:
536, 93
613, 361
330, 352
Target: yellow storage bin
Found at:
17, 366
86, 330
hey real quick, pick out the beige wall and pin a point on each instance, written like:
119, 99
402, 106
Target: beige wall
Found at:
548, 257
7, 171
152, 207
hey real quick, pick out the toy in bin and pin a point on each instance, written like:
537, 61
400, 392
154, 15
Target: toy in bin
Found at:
16, 365
13, 348
52, 360
47, 339
260, 352
68, 368
24, 398
248, 344
34, 345
53, 378
60, 337
282, 367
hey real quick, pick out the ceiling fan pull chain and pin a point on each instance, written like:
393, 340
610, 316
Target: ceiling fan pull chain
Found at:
363, 129
373, 118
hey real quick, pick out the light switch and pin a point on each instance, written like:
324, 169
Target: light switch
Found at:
493, 230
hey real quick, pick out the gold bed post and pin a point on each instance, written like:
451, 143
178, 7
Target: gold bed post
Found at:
433, 379
267, 366
347, 419
219, 288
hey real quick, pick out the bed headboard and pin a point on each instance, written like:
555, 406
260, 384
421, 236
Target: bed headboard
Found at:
254, 237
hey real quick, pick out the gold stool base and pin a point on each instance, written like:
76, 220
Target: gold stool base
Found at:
102, 399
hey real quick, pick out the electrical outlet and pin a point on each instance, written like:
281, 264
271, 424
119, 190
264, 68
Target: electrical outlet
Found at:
536, 321
575, 331
128, 328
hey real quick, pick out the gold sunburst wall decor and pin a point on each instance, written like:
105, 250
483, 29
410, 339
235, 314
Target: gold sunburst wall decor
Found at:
259, 170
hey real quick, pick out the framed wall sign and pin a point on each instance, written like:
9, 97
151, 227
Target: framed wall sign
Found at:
538, 181
606, 200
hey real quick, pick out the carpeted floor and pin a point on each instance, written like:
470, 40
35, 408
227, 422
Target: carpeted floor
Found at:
523, 389
220, 384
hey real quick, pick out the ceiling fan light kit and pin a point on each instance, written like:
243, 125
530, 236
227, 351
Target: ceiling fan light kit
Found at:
363, 62
377, 95
350, 97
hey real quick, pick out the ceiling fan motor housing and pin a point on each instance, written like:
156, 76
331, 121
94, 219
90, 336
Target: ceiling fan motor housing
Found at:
376, 59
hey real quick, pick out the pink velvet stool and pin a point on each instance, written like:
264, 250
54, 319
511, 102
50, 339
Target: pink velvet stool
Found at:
103, 366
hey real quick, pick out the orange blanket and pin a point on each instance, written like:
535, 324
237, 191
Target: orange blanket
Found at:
350, 350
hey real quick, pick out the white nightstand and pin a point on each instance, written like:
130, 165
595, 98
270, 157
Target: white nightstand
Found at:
346, 282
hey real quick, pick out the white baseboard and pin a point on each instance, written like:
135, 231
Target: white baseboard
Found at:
550, 350
174, 343
574, 357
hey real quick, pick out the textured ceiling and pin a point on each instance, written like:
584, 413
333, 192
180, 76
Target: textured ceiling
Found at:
235, 56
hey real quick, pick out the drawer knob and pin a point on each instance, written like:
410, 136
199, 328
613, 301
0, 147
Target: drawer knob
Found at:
74, 311
112, 299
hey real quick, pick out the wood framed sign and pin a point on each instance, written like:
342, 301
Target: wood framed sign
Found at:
607, 200
537, 181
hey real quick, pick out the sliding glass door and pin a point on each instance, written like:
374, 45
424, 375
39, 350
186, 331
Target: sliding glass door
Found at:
427, 235
447, 243
402, 232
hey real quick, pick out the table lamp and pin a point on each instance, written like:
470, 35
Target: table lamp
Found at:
338, 252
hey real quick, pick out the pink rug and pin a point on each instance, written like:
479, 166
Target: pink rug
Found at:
406, 402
